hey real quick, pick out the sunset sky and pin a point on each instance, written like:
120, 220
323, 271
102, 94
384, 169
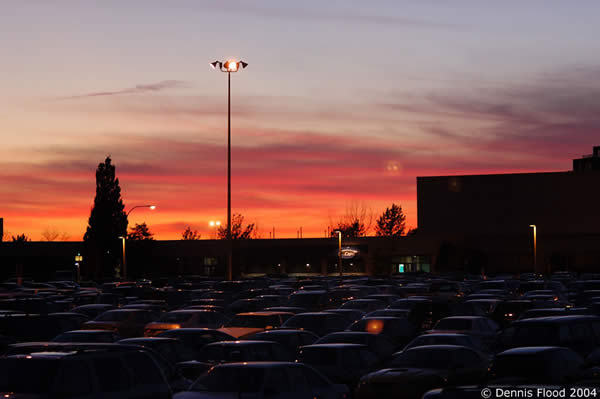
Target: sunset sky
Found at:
342, 102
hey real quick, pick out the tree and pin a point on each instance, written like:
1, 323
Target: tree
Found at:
20, 238
51, 234
108, 220
238, 231
356, 221
413, 231
189, 234
140, 232
391, 223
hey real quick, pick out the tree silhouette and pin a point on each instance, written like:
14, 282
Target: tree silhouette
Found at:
238, 231
189, 234
356, 221
391, 223
108, 220
140, 232
51, 234
413, 231
20, 238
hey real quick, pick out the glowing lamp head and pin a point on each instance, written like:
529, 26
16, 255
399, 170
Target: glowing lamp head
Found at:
153, 207
211, 223
231, 66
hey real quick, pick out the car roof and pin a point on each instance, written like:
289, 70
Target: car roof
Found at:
530, 350
557, 319
438, 347
258, 364
335, 345
264, 313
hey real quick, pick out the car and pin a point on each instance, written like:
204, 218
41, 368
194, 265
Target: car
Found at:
399, 329
291, 339
244, 324
580, 333
171, 349
319, 323
93, 310
379, 344
243, 351
470, 341
366, 305
342, 363
195, 338
417, 370
184, 318
263, 380
313, 300
351, 314
536, 365
126, 322
95, 373
101, 336
482, 327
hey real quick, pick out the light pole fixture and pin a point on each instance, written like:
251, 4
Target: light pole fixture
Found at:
215, 224
534, 227
152, 207
339, 233
124, 258
229, 66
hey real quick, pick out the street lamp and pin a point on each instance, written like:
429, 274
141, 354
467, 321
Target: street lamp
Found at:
534, 227
339, 250
124, 258
229, 66
215, 224
152, 207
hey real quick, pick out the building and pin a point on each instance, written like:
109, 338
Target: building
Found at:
485, 219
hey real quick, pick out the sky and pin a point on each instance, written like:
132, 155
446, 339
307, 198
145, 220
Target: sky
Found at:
343, 103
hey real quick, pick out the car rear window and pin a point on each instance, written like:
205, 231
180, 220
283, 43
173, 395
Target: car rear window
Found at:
454, 324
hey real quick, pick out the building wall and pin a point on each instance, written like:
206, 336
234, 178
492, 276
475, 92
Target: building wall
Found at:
557, 203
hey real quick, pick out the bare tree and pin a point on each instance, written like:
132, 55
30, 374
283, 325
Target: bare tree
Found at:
52, 234
356, 221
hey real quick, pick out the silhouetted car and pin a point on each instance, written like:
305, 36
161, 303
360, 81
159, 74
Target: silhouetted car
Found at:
83, 374
243, 351
379, 344
579, 333
101, 336
470, 341
244, 324
351, 314
186, 318
366, 305
291, 339
126, 322
195, 338
263, 380
415, 371
290, 309
314, 301
536, 365
482, 327
508, 311
341, 363
93, 310
470, 392
399, 329
171, 349
320, 323
545, 312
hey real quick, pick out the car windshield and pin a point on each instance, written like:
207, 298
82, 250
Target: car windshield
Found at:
113, 316
175, 317
423, 359
320, 356
252, 321
27, 375
230, 379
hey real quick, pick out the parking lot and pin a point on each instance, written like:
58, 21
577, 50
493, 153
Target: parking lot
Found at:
405, 336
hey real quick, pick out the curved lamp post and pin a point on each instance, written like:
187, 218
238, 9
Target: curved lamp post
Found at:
228, 67
152, 207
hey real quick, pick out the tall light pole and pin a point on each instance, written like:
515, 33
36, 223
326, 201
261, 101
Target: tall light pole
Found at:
339, 250
124, 258
215, 224
229, 66
534, 227
152, 207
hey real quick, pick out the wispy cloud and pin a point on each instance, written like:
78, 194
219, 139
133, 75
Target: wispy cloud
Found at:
137, 89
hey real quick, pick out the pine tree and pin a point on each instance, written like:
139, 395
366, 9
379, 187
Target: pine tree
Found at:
190, 234
140, 232
108, 220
